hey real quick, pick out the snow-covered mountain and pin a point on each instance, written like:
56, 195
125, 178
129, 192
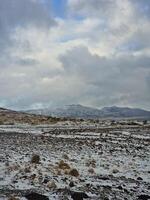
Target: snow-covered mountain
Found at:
115, 111
79, 111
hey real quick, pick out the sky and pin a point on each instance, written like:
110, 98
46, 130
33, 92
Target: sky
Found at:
59, 52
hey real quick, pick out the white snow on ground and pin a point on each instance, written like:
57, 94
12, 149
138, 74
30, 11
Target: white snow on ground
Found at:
103, 158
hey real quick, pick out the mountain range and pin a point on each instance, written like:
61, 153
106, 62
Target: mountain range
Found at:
79, 111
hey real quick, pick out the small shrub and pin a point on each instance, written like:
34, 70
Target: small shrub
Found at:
1, 122
27, 170
63, 165
91, 171
35, 159
74, 172
65, 156
115, 171
91, 163
13, 198
144, 122
51, 185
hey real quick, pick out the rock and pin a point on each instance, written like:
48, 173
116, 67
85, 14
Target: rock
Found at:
106, 198
35, 159
74, 172
120, 187
143, 197
79, 195
45, 180
36, 196
115, 171
139, 178
71, 184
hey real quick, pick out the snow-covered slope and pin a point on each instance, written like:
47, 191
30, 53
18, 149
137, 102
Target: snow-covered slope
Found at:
79, 111
124, 112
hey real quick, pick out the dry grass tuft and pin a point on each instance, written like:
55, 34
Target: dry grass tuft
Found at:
91, 171
63, 165
74, 172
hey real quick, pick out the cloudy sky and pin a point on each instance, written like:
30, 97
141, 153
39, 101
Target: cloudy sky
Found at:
60, 52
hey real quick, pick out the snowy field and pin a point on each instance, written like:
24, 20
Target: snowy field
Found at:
103, 161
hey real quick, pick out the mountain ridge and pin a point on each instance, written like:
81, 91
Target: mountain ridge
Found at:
80, 111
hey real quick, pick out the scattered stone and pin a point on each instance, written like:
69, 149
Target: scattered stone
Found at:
45, 180
71, 184
115, 171
120, 187
106, 198
65, 156
33, 176
139, 178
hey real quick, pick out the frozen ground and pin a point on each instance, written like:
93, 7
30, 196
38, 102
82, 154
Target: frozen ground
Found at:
113, 162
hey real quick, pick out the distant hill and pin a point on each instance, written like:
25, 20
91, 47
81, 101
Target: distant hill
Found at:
121, 112
5, 110
79, 111
11, 117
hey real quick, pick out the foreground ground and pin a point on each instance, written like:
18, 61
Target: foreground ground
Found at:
102, 160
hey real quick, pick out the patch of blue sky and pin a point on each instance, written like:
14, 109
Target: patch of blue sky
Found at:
59, 8
66, 39
130, 46
143, 6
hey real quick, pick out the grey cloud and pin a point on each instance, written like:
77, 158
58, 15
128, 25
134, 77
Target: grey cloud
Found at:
99, 7
22, 13
87, 78
19, 13
120, 79
106, 8
26, 62
121, 19
143, 7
